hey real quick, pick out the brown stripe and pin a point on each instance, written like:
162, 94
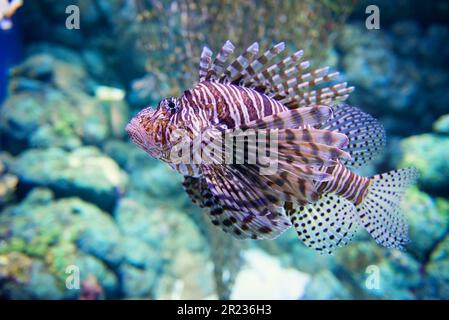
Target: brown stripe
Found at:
347, 183
268, 110
363, 192
235, 105
221, 106
252, 112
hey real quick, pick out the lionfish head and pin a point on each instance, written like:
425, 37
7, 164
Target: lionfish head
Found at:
151, 128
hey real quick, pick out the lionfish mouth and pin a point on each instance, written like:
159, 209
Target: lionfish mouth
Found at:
140, 137
135, 132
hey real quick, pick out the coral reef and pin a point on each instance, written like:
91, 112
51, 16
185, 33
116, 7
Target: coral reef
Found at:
436, 284
50, 106
324, 286
54, 235
399, 74
442, 124
84, 172
263, 277
8, 183
429, 154
84, 214
429, 221
91, 200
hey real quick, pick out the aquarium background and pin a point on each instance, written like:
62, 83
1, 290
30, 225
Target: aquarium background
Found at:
78, 201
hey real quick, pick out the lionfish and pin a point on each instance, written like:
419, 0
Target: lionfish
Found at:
320, 140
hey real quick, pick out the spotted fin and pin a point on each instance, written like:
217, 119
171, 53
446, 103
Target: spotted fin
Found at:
192, 186
234, 190
288, 184
326, 224
239, 207
379, 213
366, 134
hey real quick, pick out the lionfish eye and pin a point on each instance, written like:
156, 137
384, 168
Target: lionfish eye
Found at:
171, 104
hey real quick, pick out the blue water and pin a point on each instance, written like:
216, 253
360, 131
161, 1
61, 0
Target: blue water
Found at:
10, 54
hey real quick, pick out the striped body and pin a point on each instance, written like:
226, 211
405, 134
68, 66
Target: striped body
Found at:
318, 141
224, 104
230, 105
346, 183
235, 106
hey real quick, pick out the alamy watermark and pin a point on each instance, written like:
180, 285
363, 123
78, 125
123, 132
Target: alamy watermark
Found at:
72, 282
372, 281
372, 22
252, 147
73, 19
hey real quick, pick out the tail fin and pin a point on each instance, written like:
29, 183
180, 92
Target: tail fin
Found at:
379, 213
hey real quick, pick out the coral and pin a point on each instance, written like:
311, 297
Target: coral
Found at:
50, 105
294, 253
76, 193
437, 276
397, 73
187, 276
156, 181
442, 124
428, 220
137, 282
263, 277
8, 184
398, 272
84, 172
187, 269
429, 154
128, 156
324, 286
381, 79
15, 266
91, 289
58, 234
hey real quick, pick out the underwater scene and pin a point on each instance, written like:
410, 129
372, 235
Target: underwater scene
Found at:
91, 208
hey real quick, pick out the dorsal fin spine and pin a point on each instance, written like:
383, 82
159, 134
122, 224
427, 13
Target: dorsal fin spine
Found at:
285, 81
205, 60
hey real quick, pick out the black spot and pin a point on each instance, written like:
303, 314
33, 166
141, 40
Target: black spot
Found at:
227, 222
171, 104
265, 229
216, 211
